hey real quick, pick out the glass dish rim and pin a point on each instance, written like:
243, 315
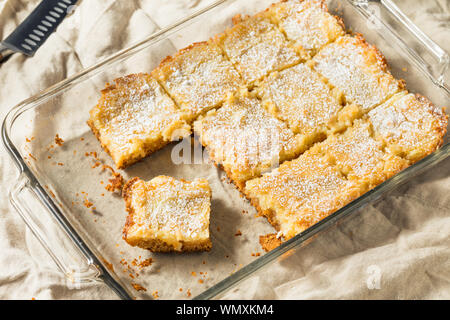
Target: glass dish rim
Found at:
34, 101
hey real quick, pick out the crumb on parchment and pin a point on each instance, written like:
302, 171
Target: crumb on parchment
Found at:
142, 263
137, 264
87, 203
58, 140
138, 287
116, 182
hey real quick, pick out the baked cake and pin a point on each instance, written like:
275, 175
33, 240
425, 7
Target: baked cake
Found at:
135, 117
303, 118
198, 78
410, 125
165, 214
256, 47
360, 157
307, 24
298, 96
245, 139
300, 193
358, 69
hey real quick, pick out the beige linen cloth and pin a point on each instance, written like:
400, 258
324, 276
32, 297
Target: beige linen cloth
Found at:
398, 248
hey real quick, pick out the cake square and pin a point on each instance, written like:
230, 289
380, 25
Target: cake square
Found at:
410, 125
198, 78
135, 117
358, 69
300, 193
166, 214
245, 139
256, 47
307, 24
299, 97
360, 157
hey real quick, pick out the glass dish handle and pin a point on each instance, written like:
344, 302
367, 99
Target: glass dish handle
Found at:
77, 267
393, 25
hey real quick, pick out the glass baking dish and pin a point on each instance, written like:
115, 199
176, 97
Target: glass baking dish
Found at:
56, 182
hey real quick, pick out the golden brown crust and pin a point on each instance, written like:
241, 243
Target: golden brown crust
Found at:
108, 88
256, 47
126, 194
127, 79
245, 162
442, 116
126, 190
97, 135
339, 20
238, 18
300, 21
197, 78
110, 126
155, 244
323, 4
129, 162
363, 75
268, 214
409, 125
300, 193
381, 59
171, 58
147, 151
122, 81
240, 186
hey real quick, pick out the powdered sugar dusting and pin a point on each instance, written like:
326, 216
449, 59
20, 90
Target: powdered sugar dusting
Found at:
134, 111
199, 78
301, 99
256, 48
349, 65
356, 151
167, 207
244, 136
409, 124
247, 138
303, 191
361, 157
307, 24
